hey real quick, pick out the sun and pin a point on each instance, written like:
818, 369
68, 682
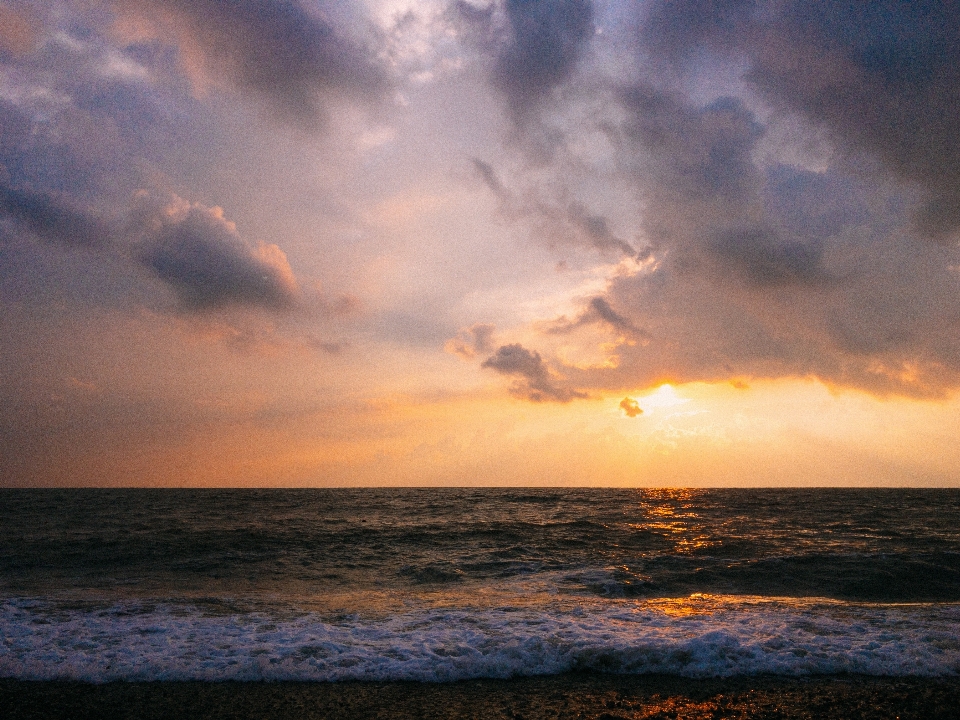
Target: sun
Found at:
664, 396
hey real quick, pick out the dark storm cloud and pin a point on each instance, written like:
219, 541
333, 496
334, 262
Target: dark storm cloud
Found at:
538, 50
288, 55
675, 29
700, 153
882, 78
201, 256
712, 205
536, 382
814, 205
764, 259
51, 218
790, 161
867, 308
61, 151
896, 94
547, 39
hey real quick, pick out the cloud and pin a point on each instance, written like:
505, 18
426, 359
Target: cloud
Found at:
536, 381
711, 203
890, 325
537, 48
783, 241
602, 310
547, 39
82, 125
598, 310
892, 90
597, 229
472, 341
630, 407
762, 258
200, 255
489, 176
699, 153
815, 205
48, 146
292, 57
575, 224
881, 78
52, 219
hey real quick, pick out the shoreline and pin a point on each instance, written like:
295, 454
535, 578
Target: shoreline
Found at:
584, 696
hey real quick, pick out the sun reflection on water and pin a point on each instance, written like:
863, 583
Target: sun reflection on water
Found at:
696, 604
670, 511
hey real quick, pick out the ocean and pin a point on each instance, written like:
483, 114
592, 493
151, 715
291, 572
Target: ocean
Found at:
449, 584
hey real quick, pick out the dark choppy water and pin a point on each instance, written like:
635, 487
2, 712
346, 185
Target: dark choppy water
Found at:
444, 584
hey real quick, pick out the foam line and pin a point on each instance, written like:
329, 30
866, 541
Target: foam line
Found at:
718, 637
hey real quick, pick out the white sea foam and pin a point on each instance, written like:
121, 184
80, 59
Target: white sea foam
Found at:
695, 637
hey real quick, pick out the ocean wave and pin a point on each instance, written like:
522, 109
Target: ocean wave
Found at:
692, 637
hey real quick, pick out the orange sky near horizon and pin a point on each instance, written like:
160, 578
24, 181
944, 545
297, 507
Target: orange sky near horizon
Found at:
796, 433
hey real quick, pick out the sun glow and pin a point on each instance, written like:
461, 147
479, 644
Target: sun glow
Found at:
663, 397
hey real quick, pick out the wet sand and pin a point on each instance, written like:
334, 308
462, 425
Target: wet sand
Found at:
586, 696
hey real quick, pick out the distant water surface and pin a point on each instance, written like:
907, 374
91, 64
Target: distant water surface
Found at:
442, 584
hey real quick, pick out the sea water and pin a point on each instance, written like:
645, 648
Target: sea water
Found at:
447, 584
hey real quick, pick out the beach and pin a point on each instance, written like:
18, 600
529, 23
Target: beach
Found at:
590, 696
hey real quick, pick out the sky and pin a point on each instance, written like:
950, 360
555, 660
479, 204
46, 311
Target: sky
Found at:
479, 242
